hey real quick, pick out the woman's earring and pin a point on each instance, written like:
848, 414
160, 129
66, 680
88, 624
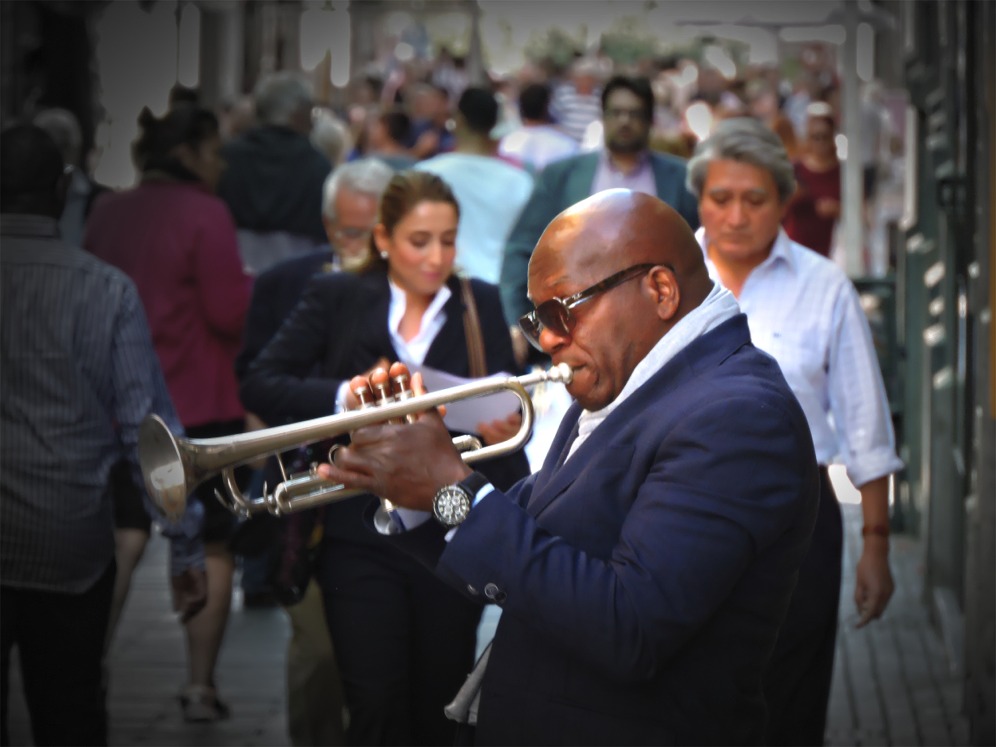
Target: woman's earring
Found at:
383, 255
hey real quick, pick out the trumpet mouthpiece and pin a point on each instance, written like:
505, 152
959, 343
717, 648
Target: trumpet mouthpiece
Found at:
562, 373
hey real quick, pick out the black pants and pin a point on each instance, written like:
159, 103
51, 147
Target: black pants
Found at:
60, 642
404, 642
797, 683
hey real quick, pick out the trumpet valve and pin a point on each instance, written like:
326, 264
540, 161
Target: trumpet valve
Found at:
382, 385
361, 390
399, 375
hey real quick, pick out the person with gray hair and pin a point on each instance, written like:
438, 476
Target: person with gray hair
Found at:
285, 99
805, 312
331, 136
350, 197
273, 180
745, 140
64, 128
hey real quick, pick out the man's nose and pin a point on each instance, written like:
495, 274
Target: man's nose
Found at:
551, 341
737, 215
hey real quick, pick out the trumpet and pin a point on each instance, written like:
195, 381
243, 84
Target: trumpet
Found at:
173, 466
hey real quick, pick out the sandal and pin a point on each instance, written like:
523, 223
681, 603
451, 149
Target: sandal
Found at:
201, 704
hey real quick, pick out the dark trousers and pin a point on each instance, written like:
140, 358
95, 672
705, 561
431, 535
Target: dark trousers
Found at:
797, 683
60, 642
404, 642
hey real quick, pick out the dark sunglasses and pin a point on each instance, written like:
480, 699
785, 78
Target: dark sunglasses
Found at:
555, 314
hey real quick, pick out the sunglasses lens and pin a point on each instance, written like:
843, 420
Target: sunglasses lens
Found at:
553, 315
530, 327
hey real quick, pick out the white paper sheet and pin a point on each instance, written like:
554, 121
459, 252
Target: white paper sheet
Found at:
464, 415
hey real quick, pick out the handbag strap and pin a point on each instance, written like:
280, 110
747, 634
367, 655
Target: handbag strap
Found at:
472, 329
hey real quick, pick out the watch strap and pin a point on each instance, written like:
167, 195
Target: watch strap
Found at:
472, 483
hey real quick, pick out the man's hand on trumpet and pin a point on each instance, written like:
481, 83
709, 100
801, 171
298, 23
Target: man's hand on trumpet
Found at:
405, 464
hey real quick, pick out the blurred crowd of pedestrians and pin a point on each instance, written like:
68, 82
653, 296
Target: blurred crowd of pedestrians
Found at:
239, 274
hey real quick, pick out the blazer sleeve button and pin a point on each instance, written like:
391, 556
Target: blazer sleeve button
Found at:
495, 594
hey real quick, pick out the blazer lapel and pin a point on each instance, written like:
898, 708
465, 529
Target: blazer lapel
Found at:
553, 479
373, 308
706, 351
668, 187
581, 179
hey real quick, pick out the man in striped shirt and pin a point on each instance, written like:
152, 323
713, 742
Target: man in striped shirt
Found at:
79, 375
578, 102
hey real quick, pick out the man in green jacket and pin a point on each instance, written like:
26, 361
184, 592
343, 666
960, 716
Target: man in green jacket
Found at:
626, 161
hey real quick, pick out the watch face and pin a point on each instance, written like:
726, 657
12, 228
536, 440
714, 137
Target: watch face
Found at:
451, 506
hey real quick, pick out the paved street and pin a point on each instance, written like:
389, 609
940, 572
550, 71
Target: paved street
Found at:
893, 681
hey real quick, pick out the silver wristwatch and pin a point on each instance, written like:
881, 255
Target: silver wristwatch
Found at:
452, 503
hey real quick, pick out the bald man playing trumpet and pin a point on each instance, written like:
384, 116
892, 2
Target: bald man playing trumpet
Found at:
644, 571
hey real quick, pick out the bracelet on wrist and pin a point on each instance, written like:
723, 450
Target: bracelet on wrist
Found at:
880, 530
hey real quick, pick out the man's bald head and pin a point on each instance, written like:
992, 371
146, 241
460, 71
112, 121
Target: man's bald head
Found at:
610, 277
619, 228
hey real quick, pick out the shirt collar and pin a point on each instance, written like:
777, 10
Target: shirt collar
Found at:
606, 163
781, 250
399, 302
22, 224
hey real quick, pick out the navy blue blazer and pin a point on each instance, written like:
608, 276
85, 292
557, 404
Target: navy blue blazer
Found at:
275, 293
339, 329
643, 582
562, 184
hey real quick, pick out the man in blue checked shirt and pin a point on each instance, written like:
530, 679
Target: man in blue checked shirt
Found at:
79, 375
804, 311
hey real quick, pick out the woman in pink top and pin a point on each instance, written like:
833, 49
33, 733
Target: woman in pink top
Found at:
815, 207
177, 242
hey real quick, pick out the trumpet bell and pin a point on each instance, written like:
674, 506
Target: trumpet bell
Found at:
163, 466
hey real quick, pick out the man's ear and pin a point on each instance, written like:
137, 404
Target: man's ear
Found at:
668, 294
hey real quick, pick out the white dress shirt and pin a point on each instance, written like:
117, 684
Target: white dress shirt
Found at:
411, 352
805, 312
